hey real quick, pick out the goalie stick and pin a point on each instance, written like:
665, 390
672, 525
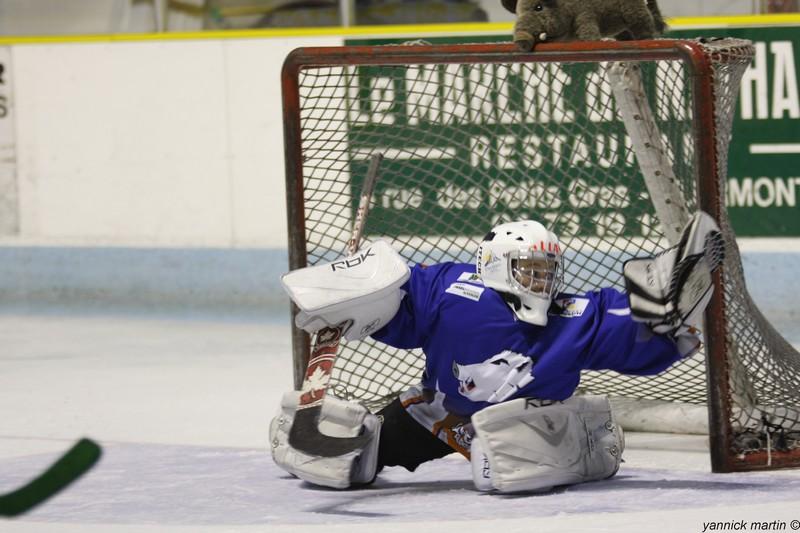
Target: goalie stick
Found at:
305, 435
72, 465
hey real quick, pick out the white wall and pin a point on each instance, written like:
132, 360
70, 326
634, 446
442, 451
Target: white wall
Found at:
693, 8
9, 213
152, 143
141, 150
44, 17
149, 143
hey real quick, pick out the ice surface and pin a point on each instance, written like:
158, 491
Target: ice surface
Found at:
181, 408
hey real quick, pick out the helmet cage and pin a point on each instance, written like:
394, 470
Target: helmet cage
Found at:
523, 262
535, 272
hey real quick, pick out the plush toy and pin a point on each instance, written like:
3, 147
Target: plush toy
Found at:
583, 20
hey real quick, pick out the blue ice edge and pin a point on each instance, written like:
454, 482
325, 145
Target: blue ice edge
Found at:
247, 281
143, 279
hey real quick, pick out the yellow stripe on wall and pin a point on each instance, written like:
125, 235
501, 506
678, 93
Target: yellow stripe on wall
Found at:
366, 31
731, 21
353, 31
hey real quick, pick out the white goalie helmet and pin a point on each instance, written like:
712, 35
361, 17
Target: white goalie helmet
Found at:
523, 261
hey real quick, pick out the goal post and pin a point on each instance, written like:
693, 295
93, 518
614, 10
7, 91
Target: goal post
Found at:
611, 143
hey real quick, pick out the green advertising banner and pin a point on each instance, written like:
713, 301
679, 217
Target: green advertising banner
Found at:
764, 158
764, 175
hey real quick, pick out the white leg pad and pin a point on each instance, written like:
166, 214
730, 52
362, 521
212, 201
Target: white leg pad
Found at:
523, 446
339, 418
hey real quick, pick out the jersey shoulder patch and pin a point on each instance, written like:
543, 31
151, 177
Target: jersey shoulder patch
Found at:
465, 290
470, 277
570, 307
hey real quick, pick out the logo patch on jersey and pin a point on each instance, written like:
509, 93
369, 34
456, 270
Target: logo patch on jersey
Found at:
470, 277
464, 290
462, 435
495, 379
571, 307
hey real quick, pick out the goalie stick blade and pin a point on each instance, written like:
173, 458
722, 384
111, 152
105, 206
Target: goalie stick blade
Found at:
306, 437
72, 465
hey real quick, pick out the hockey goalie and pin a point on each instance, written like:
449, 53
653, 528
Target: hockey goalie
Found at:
504, 350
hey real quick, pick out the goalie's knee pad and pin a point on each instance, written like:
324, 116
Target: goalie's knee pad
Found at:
363, 288
522, 445
338, 418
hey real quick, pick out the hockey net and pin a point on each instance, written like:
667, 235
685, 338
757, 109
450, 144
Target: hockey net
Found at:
611, 144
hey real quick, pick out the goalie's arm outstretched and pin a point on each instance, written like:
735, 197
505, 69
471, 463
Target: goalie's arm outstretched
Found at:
660, 319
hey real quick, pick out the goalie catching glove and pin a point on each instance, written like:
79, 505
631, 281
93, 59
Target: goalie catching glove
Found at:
669, 292
363, 288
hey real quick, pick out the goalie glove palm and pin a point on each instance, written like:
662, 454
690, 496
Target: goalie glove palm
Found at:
669, 292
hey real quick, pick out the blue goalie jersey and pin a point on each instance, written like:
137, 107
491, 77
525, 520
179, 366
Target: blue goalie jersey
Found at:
478, 353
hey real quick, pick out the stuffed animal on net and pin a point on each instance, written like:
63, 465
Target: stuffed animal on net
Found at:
583, 20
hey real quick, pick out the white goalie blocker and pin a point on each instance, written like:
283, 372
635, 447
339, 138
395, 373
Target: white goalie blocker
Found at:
525, 445
339, 418
363, 288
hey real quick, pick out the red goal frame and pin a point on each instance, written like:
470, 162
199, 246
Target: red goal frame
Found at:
701, 66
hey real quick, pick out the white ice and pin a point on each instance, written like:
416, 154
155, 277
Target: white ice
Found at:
181, 408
